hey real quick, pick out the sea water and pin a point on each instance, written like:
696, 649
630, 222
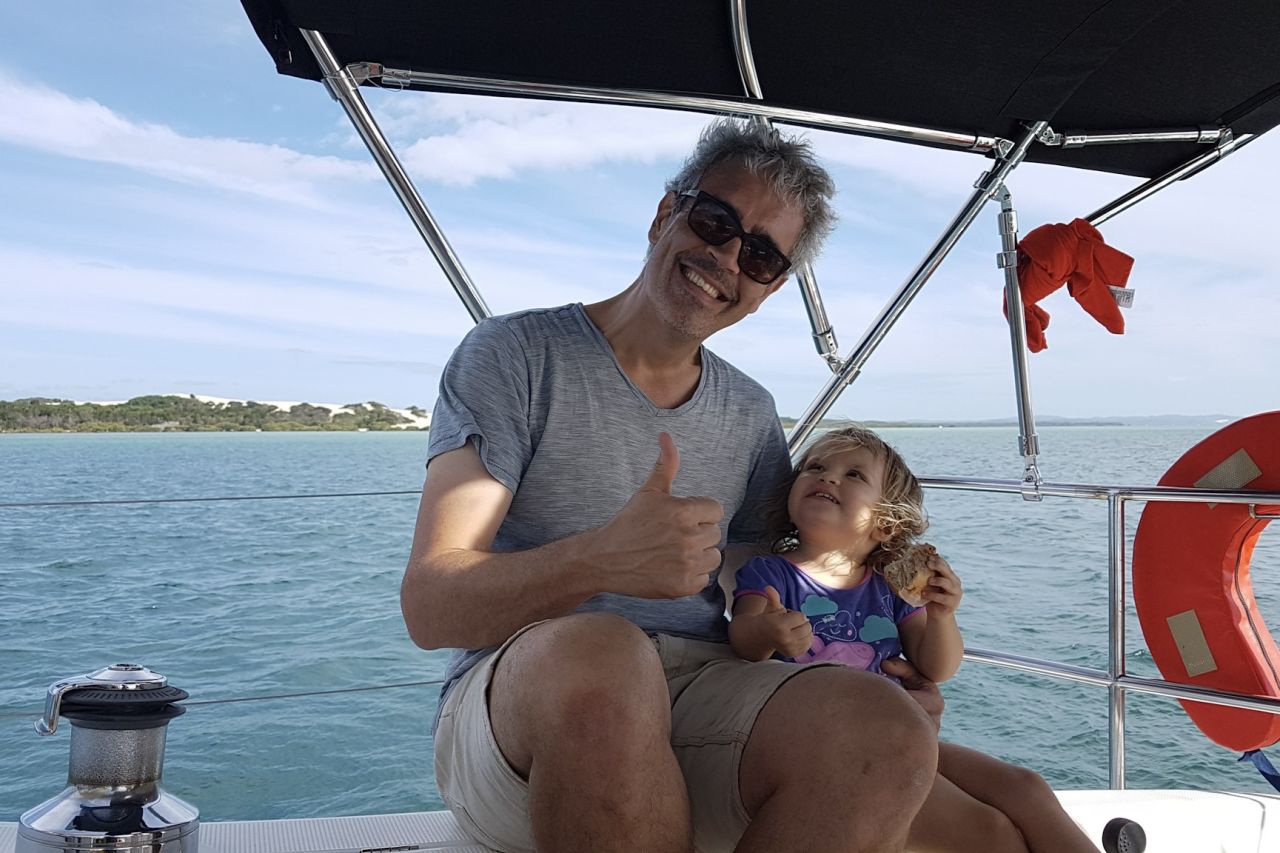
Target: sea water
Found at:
240, 599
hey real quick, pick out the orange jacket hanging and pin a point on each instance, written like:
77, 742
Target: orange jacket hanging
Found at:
1076, 255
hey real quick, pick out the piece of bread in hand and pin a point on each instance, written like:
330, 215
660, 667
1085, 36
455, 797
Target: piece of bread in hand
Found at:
909, 573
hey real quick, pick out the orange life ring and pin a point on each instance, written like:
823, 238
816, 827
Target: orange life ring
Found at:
1191, 581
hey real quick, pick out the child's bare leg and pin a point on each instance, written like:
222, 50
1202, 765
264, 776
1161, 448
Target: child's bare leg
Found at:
951, 821
1021, 794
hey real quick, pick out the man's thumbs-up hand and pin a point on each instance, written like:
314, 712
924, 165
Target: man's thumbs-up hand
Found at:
659, 545
663, 476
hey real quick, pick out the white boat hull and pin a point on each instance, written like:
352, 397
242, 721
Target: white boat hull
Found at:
1174, 821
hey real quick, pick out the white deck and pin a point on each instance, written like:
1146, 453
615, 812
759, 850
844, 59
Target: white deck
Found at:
1175, 822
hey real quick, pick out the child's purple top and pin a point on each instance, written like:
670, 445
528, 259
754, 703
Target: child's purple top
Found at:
856, 626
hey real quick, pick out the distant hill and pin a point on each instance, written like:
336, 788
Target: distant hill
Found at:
1180, 420
197, 413
1189, 421
192, 413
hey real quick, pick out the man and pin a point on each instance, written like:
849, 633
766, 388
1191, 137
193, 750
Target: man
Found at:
596, 706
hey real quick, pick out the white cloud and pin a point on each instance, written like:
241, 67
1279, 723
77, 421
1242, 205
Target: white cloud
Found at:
460, 139
371, 248
1211, 217
87, 295
50, 121
224, 268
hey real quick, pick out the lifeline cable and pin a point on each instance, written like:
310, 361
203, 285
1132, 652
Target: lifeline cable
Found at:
9, 715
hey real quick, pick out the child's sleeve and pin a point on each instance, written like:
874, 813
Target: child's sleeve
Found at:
754, 577
903, 611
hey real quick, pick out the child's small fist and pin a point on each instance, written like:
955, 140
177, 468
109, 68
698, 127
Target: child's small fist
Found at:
797, 640
943, 592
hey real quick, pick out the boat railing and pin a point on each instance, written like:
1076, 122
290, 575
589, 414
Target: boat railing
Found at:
229, 700
206, 499
1115, 677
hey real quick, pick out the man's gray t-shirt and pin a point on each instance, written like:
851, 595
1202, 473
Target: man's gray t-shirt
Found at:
558, 423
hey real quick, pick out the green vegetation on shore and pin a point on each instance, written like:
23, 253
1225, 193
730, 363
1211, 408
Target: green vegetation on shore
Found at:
157, 413
176, 413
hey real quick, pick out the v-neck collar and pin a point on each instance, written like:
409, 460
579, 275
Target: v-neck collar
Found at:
607, 349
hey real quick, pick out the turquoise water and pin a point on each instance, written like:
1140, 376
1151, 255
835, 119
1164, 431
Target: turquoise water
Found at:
256, 598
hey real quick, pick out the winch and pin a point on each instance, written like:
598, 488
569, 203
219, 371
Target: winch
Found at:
119, 717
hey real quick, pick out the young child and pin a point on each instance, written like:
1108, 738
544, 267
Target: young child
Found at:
851, 507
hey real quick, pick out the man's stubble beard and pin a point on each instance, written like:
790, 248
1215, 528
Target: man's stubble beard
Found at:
680, 309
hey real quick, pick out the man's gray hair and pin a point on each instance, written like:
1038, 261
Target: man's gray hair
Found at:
787, 163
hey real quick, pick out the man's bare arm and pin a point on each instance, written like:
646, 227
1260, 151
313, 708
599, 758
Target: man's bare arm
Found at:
448, 595
456, 592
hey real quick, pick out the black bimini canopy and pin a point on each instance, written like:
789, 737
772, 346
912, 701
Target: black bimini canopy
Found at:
982, 69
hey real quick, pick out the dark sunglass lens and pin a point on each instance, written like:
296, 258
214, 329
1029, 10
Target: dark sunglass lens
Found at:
712, 223
760, 261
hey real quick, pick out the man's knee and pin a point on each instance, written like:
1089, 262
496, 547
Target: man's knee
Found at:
595, 658
585, 675
854, 723
855, 710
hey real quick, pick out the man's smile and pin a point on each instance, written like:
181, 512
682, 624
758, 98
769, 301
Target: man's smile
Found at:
692, 276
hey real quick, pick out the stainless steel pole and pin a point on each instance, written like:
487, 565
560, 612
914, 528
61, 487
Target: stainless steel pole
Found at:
1115, 632
345, 91
824, 336
1153, 186
697, 103
742, 49
1200, 136
986, 188
1007, 260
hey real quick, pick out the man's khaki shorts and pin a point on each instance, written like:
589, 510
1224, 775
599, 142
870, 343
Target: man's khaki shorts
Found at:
715, 698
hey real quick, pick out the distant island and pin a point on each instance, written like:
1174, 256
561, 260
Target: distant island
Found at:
833, 423
193, 413
1188, 421
197, 413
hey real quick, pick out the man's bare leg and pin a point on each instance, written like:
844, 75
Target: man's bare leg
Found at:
839, 761
580, 708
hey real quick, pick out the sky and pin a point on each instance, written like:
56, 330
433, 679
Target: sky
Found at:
175, 217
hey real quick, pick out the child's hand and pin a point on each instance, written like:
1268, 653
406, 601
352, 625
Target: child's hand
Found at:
788, 631
943, 592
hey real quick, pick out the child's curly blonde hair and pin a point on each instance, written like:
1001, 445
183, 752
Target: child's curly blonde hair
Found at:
900, 512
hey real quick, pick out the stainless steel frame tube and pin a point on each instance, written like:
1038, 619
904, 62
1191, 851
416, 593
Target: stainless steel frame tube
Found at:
1115, 634
344, 89
742, 49
1102, 492
1153, 186
1035, 666
1201, 136
696, 103
1127, 683
987, 186
824, 336
1170, 690
1007, 260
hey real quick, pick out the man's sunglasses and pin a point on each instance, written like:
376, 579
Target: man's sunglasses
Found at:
716, 223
